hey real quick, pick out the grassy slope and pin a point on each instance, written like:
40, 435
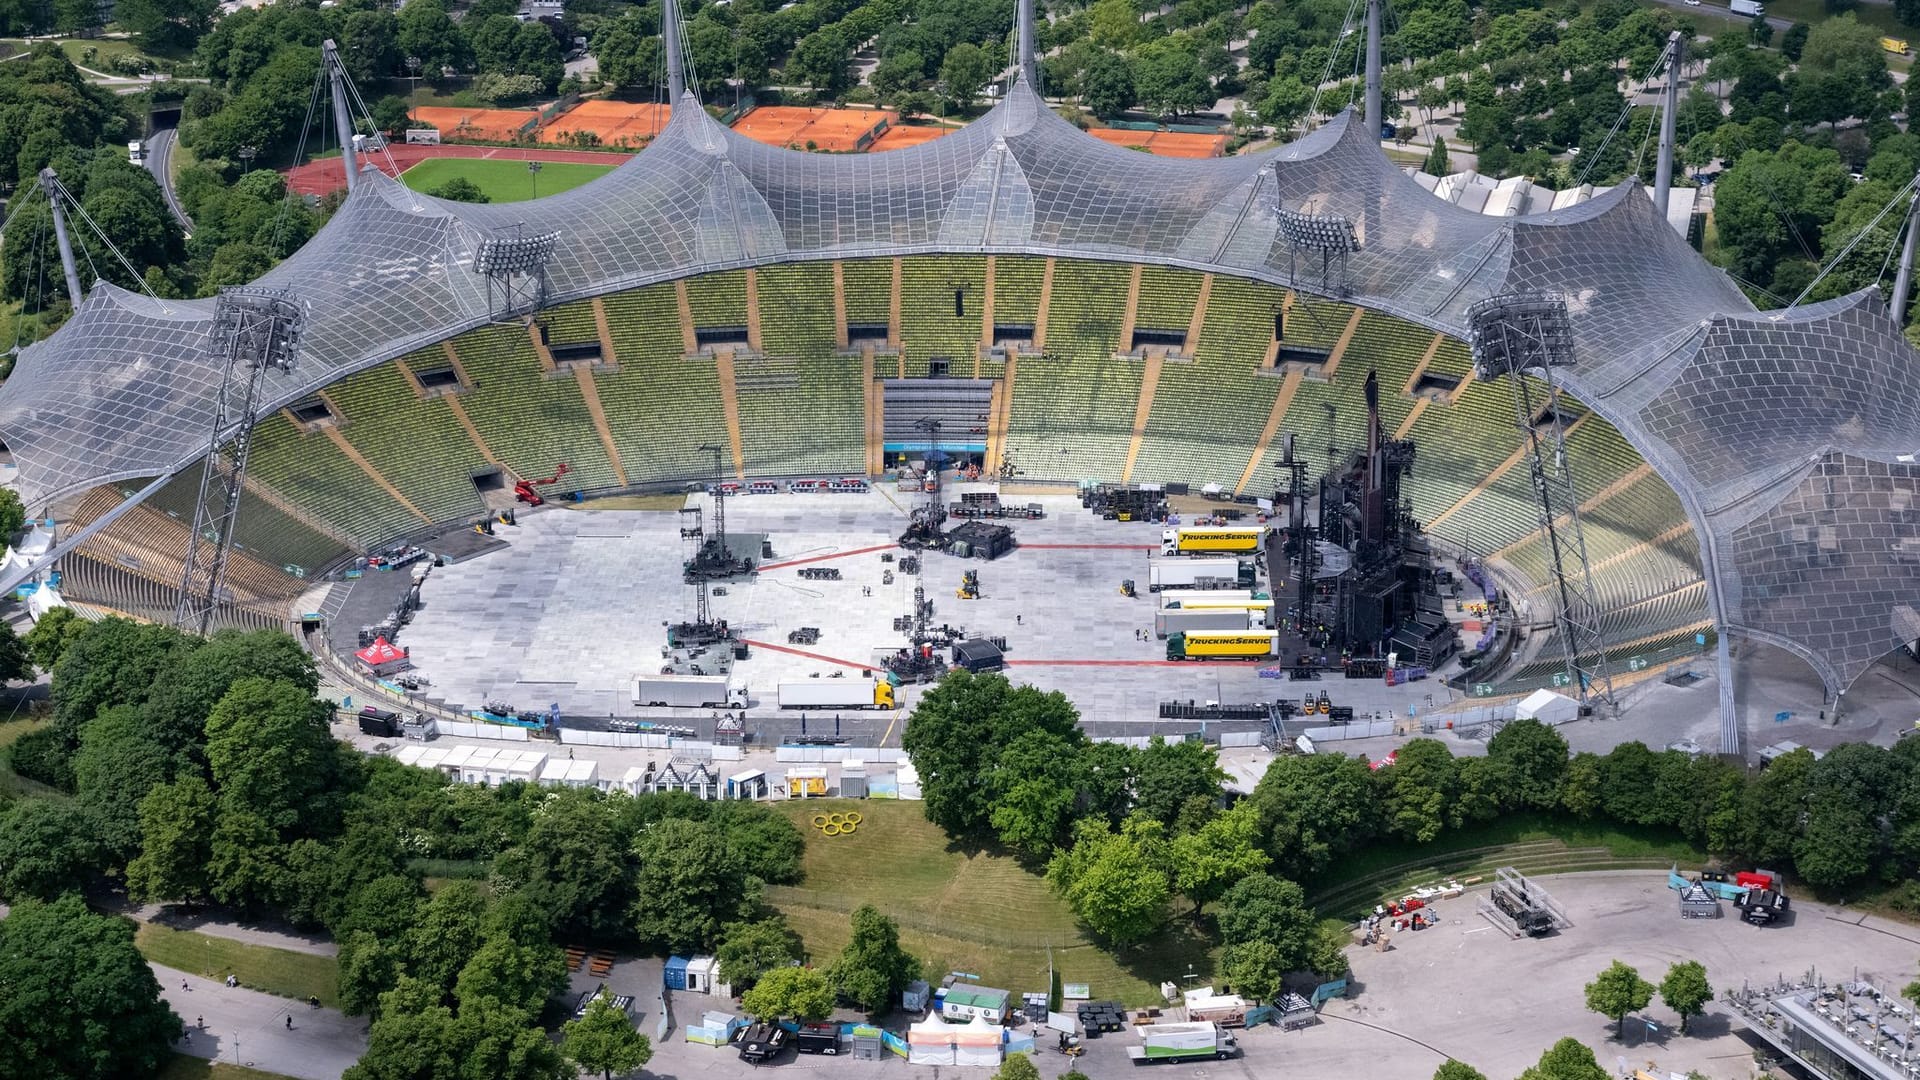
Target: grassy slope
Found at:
276, 971
503, 181
980, 913
1535, 844
11, 783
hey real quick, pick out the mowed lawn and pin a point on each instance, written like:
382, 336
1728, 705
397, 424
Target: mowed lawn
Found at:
502, 181
977, 913
277, 971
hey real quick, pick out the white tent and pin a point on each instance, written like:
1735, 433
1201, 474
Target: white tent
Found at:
930, 1042
978, 1043
1547, 707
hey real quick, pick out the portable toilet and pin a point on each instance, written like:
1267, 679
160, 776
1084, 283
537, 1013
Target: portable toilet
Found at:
676, 973
703, 977
853, 780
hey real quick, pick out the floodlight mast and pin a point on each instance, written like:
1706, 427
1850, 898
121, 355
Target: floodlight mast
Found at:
255, 329
50, 183
1511, 335
670, 41
1903, 279
1029, 70
1331, 235
1374, 117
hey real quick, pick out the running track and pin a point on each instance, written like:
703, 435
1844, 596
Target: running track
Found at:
325, 175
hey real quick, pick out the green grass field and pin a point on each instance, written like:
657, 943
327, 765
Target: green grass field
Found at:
978, 913
502, 181
276, 971
187, 1067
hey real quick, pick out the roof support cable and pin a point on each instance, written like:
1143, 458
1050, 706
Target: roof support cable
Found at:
1333, 56
125, 263
1899, 199
1626, 110
299, 155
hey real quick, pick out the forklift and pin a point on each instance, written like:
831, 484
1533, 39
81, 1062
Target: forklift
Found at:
1069, 1045
969, 586
1127, 589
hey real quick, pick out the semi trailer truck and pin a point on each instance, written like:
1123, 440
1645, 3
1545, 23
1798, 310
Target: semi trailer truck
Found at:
1218, 600
1222, 645
836, 694
1181, 620
1169, 1043
688, 692
1203, 539
1198, 574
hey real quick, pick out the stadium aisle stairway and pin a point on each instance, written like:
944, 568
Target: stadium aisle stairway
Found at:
660, 404
1072, 414
416, 444
532, 420
309, 469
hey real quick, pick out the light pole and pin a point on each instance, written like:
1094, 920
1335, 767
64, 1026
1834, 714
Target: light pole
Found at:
413, 71
533, 169
246, 155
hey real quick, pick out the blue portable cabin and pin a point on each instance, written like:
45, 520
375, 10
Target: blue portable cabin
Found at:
676, 974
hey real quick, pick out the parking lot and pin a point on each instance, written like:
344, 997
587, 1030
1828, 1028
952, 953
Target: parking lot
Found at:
1463, 989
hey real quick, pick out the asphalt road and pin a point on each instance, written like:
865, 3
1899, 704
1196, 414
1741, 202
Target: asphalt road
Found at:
247, 1027
160, 164
1713, 8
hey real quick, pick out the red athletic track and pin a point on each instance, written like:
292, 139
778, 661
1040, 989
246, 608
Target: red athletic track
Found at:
824, 558
321, 177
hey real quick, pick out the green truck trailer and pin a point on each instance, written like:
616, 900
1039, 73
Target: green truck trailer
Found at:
1166, 1043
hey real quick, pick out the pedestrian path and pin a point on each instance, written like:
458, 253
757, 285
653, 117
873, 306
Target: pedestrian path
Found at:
261, 1031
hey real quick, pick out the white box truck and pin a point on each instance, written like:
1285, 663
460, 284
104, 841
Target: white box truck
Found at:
1193, 574
1167, 1043
836, 694
1747, 7
688, 692
1180, 620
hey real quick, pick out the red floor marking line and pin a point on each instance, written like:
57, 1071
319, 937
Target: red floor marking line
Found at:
1123, 663
789, 650
824, 558
1089, 547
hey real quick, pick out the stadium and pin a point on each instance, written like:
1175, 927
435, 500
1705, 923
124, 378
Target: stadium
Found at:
1074, 311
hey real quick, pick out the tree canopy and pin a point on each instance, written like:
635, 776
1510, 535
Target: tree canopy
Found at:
790, 993
873, 968
81, 1002
1618, 991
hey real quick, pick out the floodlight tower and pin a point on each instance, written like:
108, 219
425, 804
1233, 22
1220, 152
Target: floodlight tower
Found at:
1903, 278
515, 266
1331, 235
1511, 335
255, 330
56, 192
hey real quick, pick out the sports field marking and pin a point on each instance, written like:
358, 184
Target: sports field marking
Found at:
502, 180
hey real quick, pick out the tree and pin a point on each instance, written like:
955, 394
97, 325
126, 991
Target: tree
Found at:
13, 516
1457, 1070
574, 865
1794, 42
368, 969
1618, 991
1212, 859
1530, 763
1107, 84
603, 1040
1255, 969
1115, 882
1418, 789
426, 31
518, 976
47, 849
1685, 990
1314, 807
121, 758
1269, 909
1167, 775
966, 70
687, 885
81, 1002
1033, 794
271, 754
50, 636
1016, 1067
176, 821
1437, 158
447, 932
873, 968
750, 949
796, 993
1568, 1059
956, 733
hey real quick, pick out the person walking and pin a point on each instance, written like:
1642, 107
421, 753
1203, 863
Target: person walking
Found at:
289, 1021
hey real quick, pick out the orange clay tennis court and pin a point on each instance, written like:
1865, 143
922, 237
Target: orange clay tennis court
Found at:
901, 136
1177, 144
841, 130
614, 123
493, 125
